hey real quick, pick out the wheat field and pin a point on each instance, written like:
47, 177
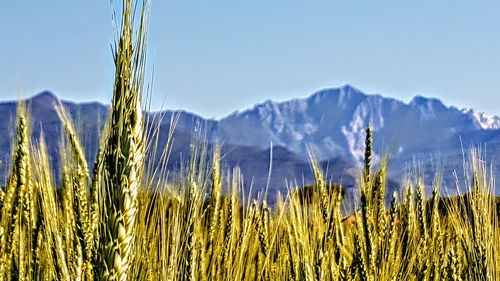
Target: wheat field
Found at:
117, 219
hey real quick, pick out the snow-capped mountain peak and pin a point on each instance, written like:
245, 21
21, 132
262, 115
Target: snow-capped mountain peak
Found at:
482, 120
332, 122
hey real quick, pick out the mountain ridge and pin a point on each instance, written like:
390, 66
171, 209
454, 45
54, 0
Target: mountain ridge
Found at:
417, 99
330, 122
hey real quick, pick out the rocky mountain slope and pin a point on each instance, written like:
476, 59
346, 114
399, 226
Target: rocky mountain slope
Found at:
330, 122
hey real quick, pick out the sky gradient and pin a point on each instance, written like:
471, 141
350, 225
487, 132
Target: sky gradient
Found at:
214, 57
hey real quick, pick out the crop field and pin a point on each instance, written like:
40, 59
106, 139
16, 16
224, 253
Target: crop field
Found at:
118, 219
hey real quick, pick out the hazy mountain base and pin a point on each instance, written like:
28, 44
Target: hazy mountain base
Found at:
429, 137
288, 169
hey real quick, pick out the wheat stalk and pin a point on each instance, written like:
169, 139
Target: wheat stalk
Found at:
123, 157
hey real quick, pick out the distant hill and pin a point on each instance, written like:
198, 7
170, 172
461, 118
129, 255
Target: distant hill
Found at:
330, 121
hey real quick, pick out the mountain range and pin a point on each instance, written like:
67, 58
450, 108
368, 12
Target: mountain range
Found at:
424, 134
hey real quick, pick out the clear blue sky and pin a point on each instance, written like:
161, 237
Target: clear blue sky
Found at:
213, 57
